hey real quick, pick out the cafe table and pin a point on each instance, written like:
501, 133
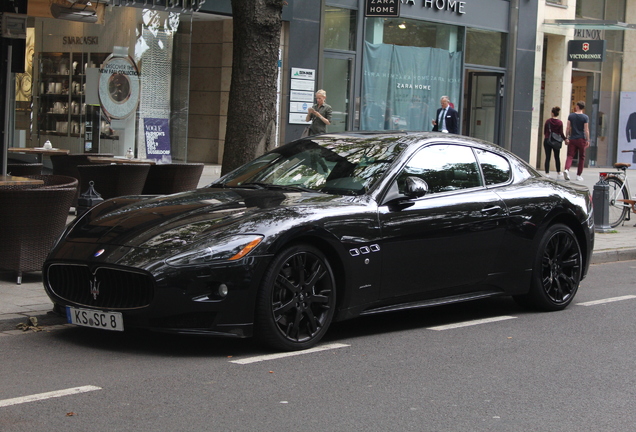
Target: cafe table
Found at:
119, 160
38, 151
9, 180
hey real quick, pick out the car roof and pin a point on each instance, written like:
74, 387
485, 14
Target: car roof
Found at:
412, 138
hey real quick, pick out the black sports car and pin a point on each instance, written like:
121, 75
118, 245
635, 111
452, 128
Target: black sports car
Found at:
327, 228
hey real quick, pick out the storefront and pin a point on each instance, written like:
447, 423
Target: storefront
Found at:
388, 70
111, 75
101, 78
570, 74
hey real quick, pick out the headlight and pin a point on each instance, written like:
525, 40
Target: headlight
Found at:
229, 248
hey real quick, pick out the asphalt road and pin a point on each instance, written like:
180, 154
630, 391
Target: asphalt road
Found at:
514, 371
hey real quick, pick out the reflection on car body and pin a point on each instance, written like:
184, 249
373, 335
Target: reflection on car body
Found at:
324, 229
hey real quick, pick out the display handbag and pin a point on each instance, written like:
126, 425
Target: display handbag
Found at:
555, 140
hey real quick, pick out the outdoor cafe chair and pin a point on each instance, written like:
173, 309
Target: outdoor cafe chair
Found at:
66, 164
56, 181
24, 169
30, 222
114, 180
164, 179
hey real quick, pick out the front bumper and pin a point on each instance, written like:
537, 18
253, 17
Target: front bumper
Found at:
168, 299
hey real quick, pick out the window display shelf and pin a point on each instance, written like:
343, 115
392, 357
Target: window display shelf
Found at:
61, 104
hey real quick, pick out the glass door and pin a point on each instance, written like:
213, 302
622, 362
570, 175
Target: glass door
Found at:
337, 83
585, 87
482, 105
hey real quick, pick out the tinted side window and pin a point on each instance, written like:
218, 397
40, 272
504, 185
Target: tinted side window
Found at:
496, 168
443, 167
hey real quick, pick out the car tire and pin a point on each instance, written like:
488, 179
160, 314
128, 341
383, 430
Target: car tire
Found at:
557, 270
297, 299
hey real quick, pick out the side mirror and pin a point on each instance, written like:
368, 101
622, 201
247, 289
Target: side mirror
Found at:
415, 187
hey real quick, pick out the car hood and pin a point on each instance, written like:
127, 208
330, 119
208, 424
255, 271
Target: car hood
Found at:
175, 221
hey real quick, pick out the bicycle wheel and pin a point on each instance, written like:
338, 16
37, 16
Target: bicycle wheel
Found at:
617, 209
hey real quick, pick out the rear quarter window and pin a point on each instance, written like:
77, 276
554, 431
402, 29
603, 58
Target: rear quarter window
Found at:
496, 168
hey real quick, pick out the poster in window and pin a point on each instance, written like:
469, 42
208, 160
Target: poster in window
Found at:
157, 137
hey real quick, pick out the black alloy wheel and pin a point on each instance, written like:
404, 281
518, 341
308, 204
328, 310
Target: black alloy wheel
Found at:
557, 270
297, 299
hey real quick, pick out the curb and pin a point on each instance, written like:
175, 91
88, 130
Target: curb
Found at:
46, 321
613, 255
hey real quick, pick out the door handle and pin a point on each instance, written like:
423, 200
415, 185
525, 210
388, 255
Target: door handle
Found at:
492, 210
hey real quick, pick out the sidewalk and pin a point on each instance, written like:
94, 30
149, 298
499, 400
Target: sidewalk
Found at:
19, 302
620, 243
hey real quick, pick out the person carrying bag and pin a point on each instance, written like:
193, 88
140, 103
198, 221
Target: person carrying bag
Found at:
553, 140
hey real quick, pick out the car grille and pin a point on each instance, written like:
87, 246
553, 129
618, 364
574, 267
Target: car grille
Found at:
104, 287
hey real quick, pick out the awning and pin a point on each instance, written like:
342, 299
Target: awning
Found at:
590, 24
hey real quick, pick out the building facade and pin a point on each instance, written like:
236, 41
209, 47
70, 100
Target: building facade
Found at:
157, 79
385, 65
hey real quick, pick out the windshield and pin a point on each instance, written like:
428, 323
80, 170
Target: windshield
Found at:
344, 166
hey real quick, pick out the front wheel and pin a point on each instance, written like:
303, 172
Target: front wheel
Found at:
617, 209
297, 299
557, 270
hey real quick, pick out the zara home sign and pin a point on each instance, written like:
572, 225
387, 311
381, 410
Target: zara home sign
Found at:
391, 8
383, 8
455, 6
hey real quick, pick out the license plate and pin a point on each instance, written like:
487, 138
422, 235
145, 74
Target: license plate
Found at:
96, 319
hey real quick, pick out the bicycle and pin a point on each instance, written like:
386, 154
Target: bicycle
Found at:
620, 201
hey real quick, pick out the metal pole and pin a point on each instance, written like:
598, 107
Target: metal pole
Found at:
509, 89
7, 106
600, 200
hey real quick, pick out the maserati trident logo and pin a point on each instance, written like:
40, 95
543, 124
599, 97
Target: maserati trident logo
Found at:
94, 287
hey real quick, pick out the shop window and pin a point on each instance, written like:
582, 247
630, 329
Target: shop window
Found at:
485, 48
113, 87
340, 29
405, 32
407, 66
614, 40
601, 9
590, 9
615, 10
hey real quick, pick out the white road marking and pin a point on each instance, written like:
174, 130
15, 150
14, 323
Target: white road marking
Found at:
48, 395
607, 300
267, 357
471, 323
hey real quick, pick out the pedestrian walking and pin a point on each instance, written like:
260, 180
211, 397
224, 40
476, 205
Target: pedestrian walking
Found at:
578, 134
553, 138
447, 118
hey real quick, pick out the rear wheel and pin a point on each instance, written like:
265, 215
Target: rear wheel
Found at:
297, 299
557, 270
617, 209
